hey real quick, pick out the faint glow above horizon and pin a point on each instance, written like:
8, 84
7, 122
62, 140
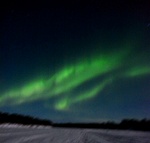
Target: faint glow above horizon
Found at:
64, 82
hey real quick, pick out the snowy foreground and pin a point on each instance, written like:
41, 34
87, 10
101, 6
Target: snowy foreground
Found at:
26, 134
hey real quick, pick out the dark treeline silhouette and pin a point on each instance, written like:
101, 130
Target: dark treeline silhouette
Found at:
125, 124
134, 124
21, 119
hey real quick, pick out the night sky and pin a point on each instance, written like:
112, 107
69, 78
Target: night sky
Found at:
75, 61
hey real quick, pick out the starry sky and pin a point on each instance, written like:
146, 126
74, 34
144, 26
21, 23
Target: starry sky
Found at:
75, 61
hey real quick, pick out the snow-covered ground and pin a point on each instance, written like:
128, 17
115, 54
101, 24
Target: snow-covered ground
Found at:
35, 134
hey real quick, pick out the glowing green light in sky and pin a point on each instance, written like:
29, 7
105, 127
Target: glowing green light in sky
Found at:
67, 79
33, 88
73, 76
92, 93
64, 103
25, 92
139, 71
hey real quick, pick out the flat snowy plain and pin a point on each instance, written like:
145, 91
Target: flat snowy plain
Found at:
26, 134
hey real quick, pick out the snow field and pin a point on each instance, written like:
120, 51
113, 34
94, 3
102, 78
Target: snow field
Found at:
41, 134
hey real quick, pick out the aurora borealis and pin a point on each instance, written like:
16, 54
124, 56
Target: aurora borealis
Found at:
86, 62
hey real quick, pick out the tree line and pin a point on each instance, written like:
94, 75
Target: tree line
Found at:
22, 119
125, 124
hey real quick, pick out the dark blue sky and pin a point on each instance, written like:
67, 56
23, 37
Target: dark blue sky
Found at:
75, 61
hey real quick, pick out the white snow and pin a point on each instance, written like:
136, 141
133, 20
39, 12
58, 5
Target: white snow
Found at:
41, 134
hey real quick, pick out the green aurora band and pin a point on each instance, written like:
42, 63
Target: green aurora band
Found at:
67, 101
138, 71
70, 77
